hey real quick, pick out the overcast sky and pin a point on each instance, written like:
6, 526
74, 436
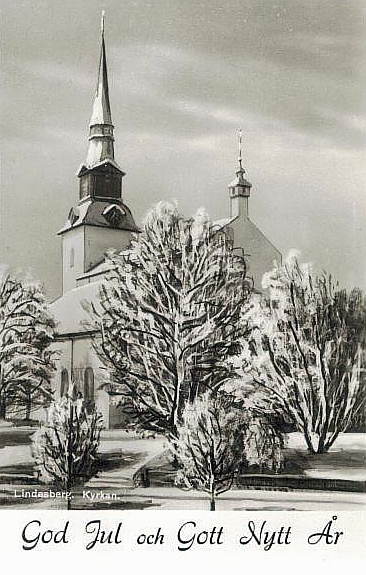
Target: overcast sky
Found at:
184, 77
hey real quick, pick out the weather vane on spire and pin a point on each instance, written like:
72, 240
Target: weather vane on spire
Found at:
240, 158
102, 21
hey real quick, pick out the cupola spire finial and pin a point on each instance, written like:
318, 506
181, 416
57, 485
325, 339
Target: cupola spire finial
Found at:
102, 22
240, 158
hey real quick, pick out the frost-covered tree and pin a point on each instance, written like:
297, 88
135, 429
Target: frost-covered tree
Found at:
209, 446
65, 447
307, 350
168, 315
26, 331
263, 443
218, 440
32, 388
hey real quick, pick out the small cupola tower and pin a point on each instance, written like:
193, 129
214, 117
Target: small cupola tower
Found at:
239, 188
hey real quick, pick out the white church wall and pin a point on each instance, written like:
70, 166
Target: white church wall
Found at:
72, 257
99, 240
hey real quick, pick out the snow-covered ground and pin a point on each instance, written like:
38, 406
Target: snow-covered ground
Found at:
18, 451
345, 441
255, 500
125, 453
346, 459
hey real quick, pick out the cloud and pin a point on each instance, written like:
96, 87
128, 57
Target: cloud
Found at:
187, 68
208, 88
52, 72
184, 76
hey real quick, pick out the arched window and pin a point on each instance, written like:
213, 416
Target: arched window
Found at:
72, 258
64, 382
88, 385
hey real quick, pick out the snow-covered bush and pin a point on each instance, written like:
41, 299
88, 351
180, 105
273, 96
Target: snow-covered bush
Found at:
65, 446
219, 439
209, 446
262, 443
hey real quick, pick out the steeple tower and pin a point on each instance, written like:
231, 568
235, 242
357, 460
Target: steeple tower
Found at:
100, 175
100, 220
101, 138
239, 189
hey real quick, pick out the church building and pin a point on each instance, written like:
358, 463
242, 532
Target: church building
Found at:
100, 221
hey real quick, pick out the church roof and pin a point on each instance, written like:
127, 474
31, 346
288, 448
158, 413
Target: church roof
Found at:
98, 213
104, 266
98, 269
85, 166
219, 224
68, 312
240, 180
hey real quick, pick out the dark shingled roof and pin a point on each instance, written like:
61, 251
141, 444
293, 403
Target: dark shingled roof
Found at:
91, 213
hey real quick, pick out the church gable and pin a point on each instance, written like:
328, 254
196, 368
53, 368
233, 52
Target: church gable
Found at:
114, 214
260, 253
107, 215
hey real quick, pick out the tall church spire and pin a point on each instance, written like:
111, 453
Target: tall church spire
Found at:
100, 175
101, 219
101, 128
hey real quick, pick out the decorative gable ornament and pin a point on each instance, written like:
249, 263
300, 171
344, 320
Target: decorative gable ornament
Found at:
73, 215
114, 214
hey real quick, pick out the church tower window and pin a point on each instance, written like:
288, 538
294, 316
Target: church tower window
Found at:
72, 258
64, 382
89, 385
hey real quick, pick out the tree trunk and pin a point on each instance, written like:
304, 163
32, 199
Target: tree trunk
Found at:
175, 462
28, 407
331, 440
177, 393
308, 438
212, 502
2, 409
193, 390
323, 435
